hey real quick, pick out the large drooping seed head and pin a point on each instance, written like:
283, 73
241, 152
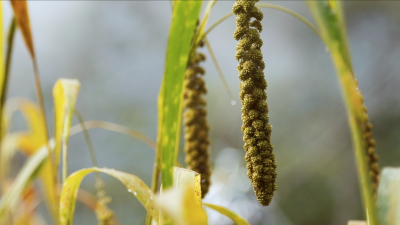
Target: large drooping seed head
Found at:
261, 164
195, 120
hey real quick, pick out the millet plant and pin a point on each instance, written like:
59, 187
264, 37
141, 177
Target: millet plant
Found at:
175, 193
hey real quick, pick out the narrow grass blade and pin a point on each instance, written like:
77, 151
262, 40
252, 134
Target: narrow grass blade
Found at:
26, 175
65, 93
133, 184
271, 6
238, 220
181, 33
389, 197
35, 122
4, 77
331, 22
182, 204
204, 21
2, 67
116, 128
20, 8
21, 16
221, 75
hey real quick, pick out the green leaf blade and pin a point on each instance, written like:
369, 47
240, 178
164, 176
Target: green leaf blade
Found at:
183, 24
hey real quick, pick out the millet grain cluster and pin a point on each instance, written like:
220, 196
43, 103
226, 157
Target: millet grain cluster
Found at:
195, 122
261, 164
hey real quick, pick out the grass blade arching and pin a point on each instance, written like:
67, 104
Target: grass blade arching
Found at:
133, 184
238, 220
331, 22
65, 93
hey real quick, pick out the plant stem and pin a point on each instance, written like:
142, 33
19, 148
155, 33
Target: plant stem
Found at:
221, 75
271, 6
10, 47
89, 144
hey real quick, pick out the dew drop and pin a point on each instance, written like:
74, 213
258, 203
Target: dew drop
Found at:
233, 102
135, 193
151, 197
129, 190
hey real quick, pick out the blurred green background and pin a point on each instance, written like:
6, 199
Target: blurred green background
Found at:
117, 51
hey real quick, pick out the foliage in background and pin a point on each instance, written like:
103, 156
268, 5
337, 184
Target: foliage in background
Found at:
181, 204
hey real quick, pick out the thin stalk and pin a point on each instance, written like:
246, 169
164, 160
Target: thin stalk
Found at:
42, 110
4, 88
221, 75
89, 144
10, 47
116, 128
271, 6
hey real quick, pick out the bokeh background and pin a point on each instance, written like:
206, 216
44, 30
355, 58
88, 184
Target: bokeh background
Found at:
117, 51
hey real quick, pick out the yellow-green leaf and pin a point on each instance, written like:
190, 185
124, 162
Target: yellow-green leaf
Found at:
133, 184
181, 33
35, 137
330, 19
20, 8
65, 93
182, 203
188, 179
238, 220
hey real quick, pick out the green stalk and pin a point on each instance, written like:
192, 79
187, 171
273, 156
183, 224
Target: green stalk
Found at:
331, 22
10, 47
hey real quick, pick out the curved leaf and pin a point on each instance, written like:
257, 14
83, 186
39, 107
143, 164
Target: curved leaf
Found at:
133, 184
331, 22
224, 211
35, 137
20, 8
65, 93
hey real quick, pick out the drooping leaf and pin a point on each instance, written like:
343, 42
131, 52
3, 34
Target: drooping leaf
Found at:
133, 184
65, 93
388, 202
330, 20
35, 137
28, 172
182, 203
170, 98
238, 220
21, 13
2, 68
116, 128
